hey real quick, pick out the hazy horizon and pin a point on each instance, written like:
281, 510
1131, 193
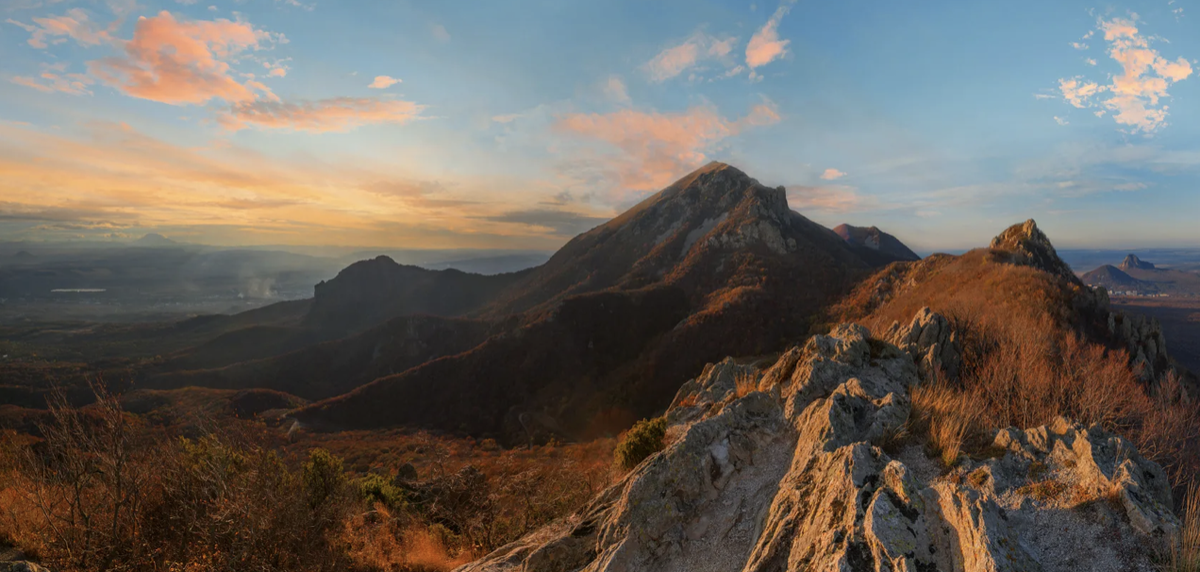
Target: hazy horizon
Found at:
421, 126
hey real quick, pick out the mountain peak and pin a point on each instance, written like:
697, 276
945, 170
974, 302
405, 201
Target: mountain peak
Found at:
875, 240
154, 239
1132, 262
1030, 246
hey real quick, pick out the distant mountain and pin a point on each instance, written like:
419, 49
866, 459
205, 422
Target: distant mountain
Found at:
155, 239
1116, 280
715, 264
371, 292
875, 241
1132, 262
23, 255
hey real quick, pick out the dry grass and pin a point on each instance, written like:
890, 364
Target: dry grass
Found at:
1031, 354
1185, 552
106, 491
746, 383
945, 416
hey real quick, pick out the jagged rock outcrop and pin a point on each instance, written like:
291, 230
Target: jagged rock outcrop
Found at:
1147, 344
931, 341
1132, 262
782, 471
1027, 244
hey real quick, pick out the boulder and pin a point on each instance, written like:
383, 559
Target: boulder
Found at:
931, 341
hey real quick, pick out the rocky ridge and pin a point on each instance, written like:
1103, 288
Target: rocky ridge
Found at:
1028, 245
783, 470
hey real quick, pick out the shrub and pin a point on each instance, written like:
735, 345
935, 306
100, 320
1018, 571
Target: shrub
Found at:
641, 441
323, 477
374, 489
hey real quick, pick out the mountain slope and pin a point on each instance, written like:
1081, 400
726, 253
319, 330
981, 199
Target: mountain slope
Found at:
875, 243
1115, 280
714, 265
370, 292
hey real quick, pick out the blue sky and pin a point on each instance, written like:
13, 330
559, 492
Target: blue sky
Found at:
519, 124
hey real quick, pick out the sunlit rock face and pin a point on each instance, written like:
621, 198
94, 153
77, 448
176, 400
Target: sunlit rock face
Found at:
782, 470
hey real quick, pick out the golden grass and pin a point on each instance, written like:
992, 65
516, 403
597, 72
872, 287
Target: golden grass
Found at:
945, 416
1185, 552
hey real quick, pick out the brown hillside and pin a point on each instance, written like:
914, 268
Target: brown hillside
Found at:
1038, 343
730, 270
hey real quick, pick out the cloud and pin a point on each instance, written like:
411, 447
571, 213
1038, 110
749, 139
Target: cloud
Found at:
1089, 61
325, 115
647, 150
560, 222
439, 33
832, 198
184, 62
696, 49
614, 89
75, 24
383, 82
1135, 95
831, 174
1079, 45
765, 45
111, 175
1060, 120
53, 79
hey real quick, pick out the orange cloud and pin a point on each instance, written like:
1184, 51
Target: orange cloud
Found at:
52, 79
765, 45
833, 199
75, 24
1135, 94
112, 176
696, 48
831, 174
652, 149
383, 82
335, 114
184, 62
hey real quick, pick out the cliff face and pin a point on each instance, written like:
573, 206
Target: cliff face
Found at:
783, 470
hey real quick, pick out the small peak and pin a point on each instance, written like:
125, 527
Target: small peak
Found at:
1132, 262
1030, 246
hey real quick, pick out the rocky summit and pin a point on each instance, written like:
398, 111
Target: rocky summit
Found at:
1027, 244
1133, 262
786, 469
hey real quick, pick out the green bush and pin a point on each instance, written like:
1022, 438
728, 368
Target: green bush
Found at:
643, 440
379, 489
323, 477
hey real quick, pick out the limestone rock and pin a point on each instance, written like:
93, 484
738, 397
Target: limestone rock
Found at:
931, 342
1147, 344
1027, 244
791, 477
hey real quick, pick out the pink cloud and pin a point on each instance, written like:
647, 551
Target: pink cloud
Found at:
833, 199
1135, 95
647, 150
383, 82
336, 114
184, 62
75, 24
697, 48
831, 174
53, 79
765, 45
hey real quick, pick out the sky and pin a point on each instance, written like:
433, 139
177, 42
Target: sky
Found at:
519, 124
